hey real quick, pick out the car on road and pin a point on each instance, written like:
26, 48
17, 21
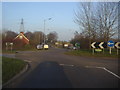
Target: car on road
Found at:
39, 46
74, 48
70, 47
46, 47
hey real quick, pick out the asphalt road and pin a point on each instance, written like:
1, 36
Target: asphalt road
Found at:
53, 69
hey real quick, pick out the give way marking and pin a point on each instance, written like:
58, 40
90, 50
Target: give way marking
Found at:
105, 70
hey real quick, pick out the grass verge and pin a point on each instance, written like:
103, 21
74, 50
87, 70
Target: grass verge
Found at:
88, 53
0, 71
10, 67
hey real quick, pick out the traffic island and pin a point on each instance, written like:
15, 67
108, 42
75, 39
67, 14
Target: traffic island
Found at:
97, 53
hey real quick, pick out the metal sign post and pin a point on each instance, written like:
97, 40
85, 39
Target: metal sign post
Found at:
93, 51
110, 44
103, 50
117, 51
11, 46
101, 46
93, 46
6, 46
117, 45
110, 50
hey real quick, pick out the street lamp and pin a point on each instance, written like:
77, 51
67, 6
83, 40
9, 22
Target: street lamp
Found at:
44, 28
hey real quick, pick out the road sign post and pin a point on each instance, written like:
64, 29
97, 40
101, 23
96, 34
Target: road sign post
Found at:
93, 51
110, 45
110, 50
117, 45
93, 46
6, 46
101, 46
103, 50
117, 51
11, 46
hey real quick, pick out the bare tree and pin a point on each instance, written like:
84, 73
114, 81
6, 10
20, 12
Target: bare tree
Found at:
7, 36
35, 37
98, 21
38, 37
29, 35
52, 37
84, 17
107, 17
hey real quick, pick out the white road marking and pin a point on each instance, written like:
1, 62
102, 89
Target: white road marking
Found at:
66, 65
112, 73
27, 61
105, 70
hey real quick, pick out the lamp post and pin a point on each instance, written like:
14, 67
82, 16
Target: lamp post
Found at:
44, 28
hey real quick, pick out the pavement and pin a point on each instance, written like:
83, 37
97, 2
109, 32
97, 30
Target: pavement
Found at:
53, 69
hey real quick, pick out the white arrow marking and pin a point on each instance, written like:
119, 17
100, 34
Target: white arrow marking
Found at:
93, 44
117, 45
100, 45
66, 65
110, 43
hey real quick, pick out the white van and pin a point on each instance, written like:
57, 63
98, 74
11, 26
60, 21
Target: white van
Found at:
46, 47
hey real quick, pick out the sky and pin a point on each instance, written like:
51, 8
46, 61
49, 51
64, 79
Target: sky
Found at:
0, 17
34, 14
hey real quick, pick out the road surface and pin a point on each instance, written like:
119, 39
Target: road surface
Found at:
53, 69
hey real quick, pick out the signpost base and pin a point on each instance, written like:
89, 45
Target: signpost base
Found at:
110, 50
103, 51
93, 51
117, 51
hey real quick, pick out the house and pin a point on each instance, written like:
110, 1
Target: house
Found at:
20, 40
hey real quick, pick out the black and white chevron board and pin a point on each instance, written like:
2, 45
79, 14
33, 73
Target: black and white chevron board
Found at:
101, 45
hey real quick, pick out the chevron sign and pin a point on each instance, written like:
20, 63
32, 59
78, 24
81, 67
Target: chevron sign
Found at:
117, 45
101, 45
93, 45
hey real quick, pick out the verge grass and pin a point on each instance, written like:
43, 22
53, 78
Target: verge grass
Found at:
11, 67
88, 53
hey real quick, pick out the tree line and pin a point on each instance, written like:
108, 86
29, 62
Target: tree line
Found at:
35, 38
98, 21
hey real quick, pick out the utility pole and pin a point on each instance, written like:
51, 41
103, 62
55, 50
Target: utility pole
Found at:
22, 26
44, 29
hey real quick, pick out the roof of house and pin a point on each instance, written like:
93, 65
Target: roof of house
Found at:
23, 37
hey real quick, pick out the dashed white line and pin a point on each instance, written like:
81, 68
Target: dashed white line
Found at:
66, 65
105, 70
